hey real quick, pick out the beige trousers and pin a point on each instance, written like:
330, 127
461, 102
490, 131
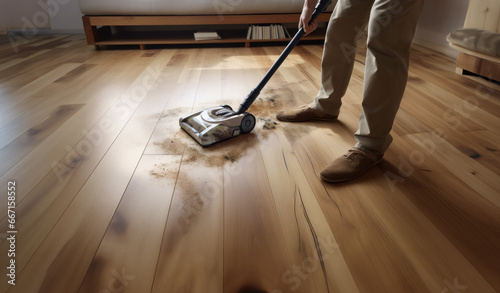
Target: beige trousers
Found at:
391, 28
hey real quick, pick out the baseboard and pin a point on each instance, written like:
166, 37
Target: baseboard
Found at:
446, 50
67, 32
47, 31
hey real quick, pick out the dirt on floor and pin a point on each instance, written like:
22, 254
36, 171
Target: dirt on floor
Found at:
213, 156
265, 108
163, 171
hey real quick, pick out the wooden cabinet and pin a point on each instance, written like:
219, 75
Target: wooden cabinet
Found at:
111, 30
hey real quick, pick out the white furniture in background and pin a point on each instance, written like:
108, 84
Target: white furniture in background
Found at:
478, 42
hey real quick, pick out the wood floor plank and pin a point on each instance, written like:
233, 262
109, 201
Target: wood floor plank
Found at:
318, 262
9, 47
440, 70
70, 88
449, 203
193, 236
209, 88
465, 168
41, 160
407, 123
359, 232
482, 147
6, 48
417, 236
52, 196
57, 189
24, 144
316, 50
121, 104
18, 96
181, 87
240, 65
309, 64
133, 238
7, 62
114, 196
255, 254
194, 226
459, 112
76, 234
74, 40
399, 216
287, 89
27, 71
49, 39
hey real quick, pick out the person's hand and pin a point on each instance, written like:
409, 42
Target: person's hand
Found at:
305, 17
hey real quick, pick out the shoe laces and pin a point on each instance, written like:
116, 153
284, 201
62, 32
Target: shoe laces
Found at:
355, 155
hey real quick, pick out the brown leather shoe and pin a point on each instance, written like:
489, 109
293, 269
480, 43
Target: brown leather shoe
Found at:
349, 166
304, 113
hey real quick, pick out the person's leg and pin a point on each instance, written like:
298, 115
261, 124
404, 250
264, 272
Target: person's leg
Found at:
344, 29
390, 33
348, 20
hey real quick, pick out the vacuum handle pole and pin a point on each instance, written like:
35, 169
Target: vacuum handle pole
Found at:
322, 5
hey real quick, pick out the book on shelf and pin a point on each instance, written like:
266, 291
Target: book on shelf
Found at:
205, 36
267, 32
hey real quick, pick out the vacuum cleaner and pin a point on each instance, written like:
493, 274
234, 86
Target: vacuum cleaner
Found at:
219, 123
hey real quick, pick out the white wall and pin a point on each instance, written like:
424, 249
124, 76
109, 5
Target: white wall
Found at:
43, 15
16, 14
438, 19
69, 18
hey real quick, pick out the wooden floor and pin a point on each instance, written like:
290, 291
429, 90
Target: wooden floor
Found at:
112, 196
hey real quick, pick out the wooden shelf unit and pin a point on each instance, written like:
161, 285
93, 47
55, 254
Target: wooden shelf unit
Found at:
98, 29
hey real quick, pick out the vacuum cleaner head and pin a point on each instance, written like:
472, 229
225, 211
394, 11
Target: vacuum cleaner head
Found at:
216, 124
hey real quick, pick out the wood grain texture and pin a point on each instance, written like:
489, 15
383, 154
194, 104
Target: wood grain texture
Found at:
128, 247
311, 246
114, 196
255, 255
193, 237
25, 143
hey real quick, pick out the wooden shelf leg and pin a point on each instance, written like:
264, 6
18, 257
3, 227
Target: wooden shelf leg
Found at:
90, 31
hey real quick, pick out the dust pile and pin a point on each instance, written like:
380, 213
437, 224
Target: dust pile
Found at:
162, 171
265, 107
213, 156
268, 123
271, 102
